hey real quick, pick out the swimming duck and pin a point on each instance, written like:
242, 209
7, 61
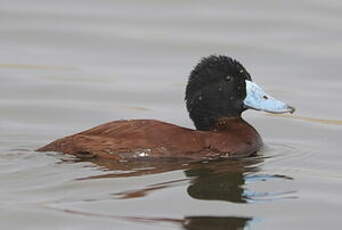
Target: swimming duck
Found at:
219, 89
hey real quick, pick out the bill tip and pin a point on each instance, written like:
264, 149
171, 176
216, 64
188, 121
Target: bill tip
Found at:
292, 109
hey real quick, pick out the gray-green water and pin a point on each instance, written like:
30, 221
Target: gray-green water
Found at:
66, 66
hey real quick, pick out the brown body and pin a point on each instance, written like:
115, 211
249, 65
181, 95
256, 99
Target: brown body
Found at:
151, 139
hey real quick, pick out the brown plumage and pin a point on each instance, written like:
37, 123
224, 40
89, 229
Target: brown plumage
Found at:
134, 139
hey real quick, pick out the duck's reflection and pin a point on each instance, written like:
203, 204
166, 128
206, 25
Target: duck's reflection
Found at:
201, 222
208, 185
223, 180
187, 223
217, 223
216, 180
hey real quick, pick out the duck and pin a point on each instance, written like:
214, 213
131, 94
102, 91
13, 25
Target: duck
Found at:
218, 91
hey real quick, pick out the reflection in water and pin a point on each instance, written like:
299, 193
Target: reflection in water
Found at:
187, 223
211, 186
202, 222
227, 181
224, 180
217, 223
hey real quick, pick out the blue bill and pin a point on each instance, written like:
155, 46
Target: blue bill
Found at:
257, 99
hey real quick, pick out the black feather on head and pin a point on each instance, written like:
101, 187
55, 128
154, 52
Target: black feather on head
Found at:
216, 88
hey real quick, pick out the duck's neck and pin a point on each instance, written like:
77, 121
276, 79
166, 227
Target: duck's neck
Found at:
230, 123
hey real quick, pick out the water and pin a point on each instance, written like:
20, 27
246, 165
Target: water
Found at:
66, 66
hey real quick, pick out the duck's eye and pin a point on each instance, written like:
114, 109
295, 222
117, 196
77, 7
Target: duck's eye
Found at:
265, 97
228, 78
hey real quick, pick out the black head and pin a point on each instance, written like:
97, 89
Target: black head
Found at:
216, 89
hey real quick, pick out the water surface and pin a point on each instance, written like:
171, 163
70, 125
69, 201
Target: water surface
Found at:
66, 66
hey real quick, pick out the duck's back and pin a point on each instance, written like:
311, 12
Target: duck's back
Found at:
137, 139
